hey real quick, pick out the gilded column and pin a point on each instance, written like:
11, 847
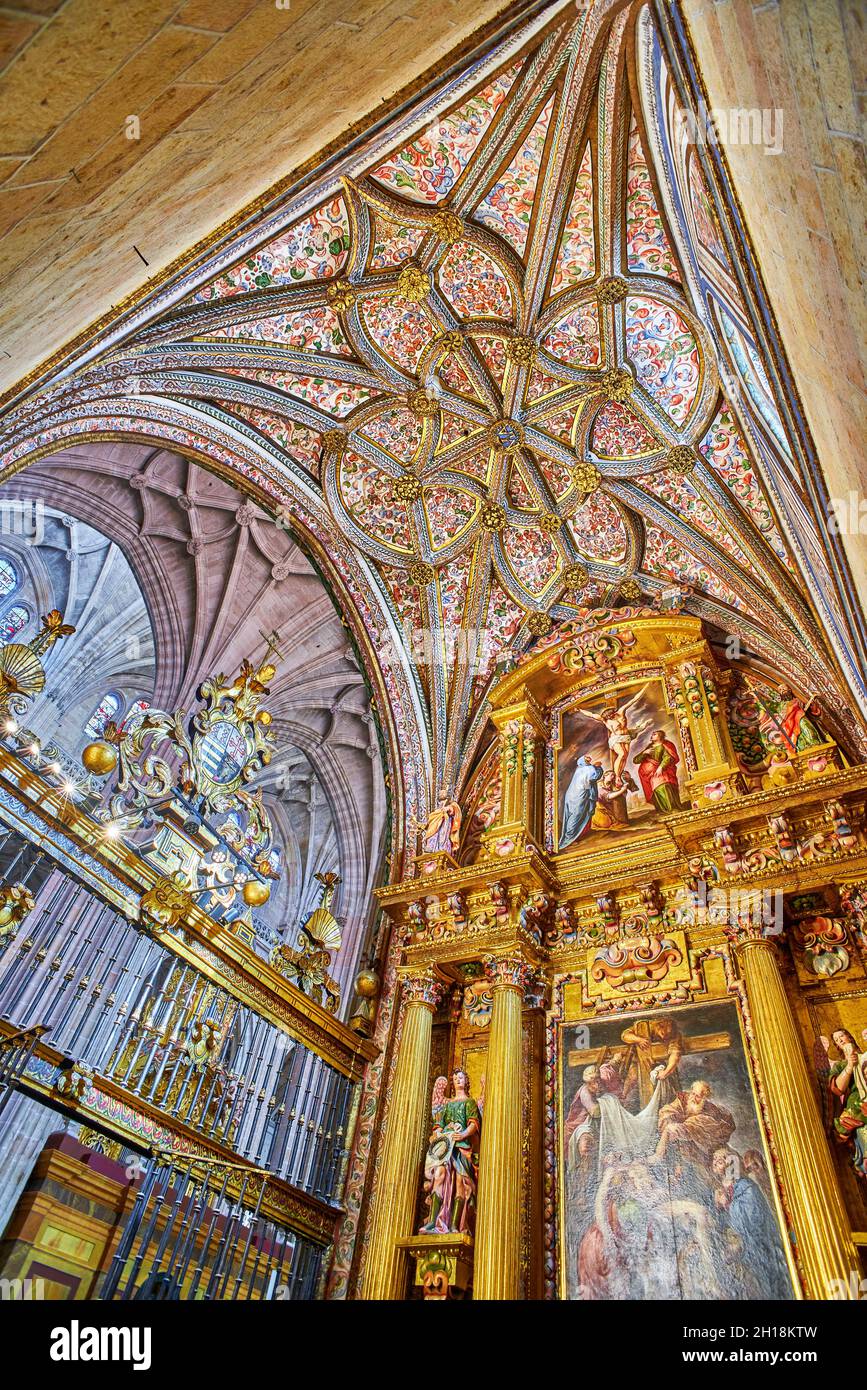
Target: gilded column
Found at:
822, 1229
498, 1222
396, 1193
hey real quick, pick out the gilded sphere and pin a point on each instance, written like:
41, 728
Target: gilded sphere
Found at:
255, 893
367, 984
99, 758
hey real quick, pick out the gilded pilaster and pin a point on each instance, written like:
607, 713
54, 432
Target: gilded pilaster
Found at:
397, 1185
498, 1225
522, 738
824, 1242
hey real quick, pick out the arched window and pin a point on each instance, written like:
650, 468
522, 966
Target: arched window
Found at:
12, 622
107, 710
136, 708
8, 577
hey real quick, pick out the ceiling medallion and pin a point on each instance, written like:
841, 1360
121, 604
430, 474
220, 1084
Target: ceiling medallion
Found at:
550, 522
413, 284
575, 576
617, 384
492, 517
421, 573
630, 589
521, 350
681, 459
340, 295
452, 341
586, 476
408, 488
505, 436
539, 624
335, 442
422, 404
447, 226
612, 290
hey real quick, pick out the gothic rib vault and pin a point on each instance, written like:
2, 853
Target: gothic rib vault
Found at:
499, 372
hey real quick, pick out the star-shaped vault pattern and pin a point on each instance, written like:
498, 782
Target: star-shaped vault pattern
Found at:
483, 354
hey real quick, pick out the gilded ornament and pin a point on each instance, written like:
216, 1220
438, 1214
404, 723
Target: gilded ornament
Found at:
22, 674
575, 576
420, 572
492, 517
413, 284
586, 476
617, 384
681, 459
521, 350
254, 893
335, 442
539, 624
550, 522
422, 404
630, 589
320, 937
452, 341
447, 226
164, 904
99, 758
408, 488
340, 295
612, 290
16, 901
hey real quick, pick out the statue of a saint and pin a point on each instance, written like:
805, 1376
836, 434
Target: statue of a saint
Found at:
451, 1164
443, 829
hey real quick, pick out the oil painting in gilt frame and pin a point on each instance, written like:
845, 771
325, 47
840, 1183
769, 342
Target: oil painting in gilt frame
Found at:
619, 767
666, 1190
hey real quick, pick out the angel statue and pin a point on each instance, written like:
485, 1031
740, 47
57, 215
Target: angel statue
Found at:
845, 1080
451, 1165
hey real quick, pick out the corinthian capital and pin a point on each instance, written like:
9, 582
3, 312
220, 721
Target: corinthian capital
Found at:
424, 987
509, 971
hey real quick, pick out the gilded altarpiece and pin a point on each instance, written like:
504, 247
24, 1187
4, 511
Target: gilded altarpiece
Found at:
649, 987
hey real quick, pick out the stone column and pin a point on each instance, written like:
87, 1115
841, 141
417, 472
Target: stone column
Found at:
822, 1229
498, 1222
394, 1203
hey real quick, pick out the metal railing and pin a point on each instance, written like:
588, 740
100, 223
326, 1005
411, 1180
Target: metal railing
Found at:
121, 1003
188, 1238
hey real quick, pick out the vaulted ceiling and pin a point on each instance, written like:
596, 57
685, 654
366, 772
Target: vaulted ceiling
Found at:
185, 577
93, 205
503, 366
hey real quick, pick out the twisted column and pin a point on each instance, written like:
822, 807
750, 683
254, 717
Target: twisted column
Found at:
822, 1230
394, 1202
498, 1221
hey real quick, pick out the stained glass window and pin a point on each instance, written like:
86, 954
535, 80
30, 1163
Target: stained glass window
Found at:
13, 621
8, 577
107, 710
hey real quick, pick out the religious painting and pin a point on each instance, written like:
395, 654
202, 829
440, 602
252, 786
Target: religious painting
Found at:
665, 1186
840, 1058
620, 765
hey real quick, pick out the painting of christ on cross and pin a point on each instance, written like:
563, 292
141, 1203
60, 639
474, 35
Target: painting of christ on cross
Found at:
665, 1189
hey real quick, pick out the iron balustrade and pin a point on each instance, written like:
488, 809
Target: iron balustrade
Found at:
123, 1004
